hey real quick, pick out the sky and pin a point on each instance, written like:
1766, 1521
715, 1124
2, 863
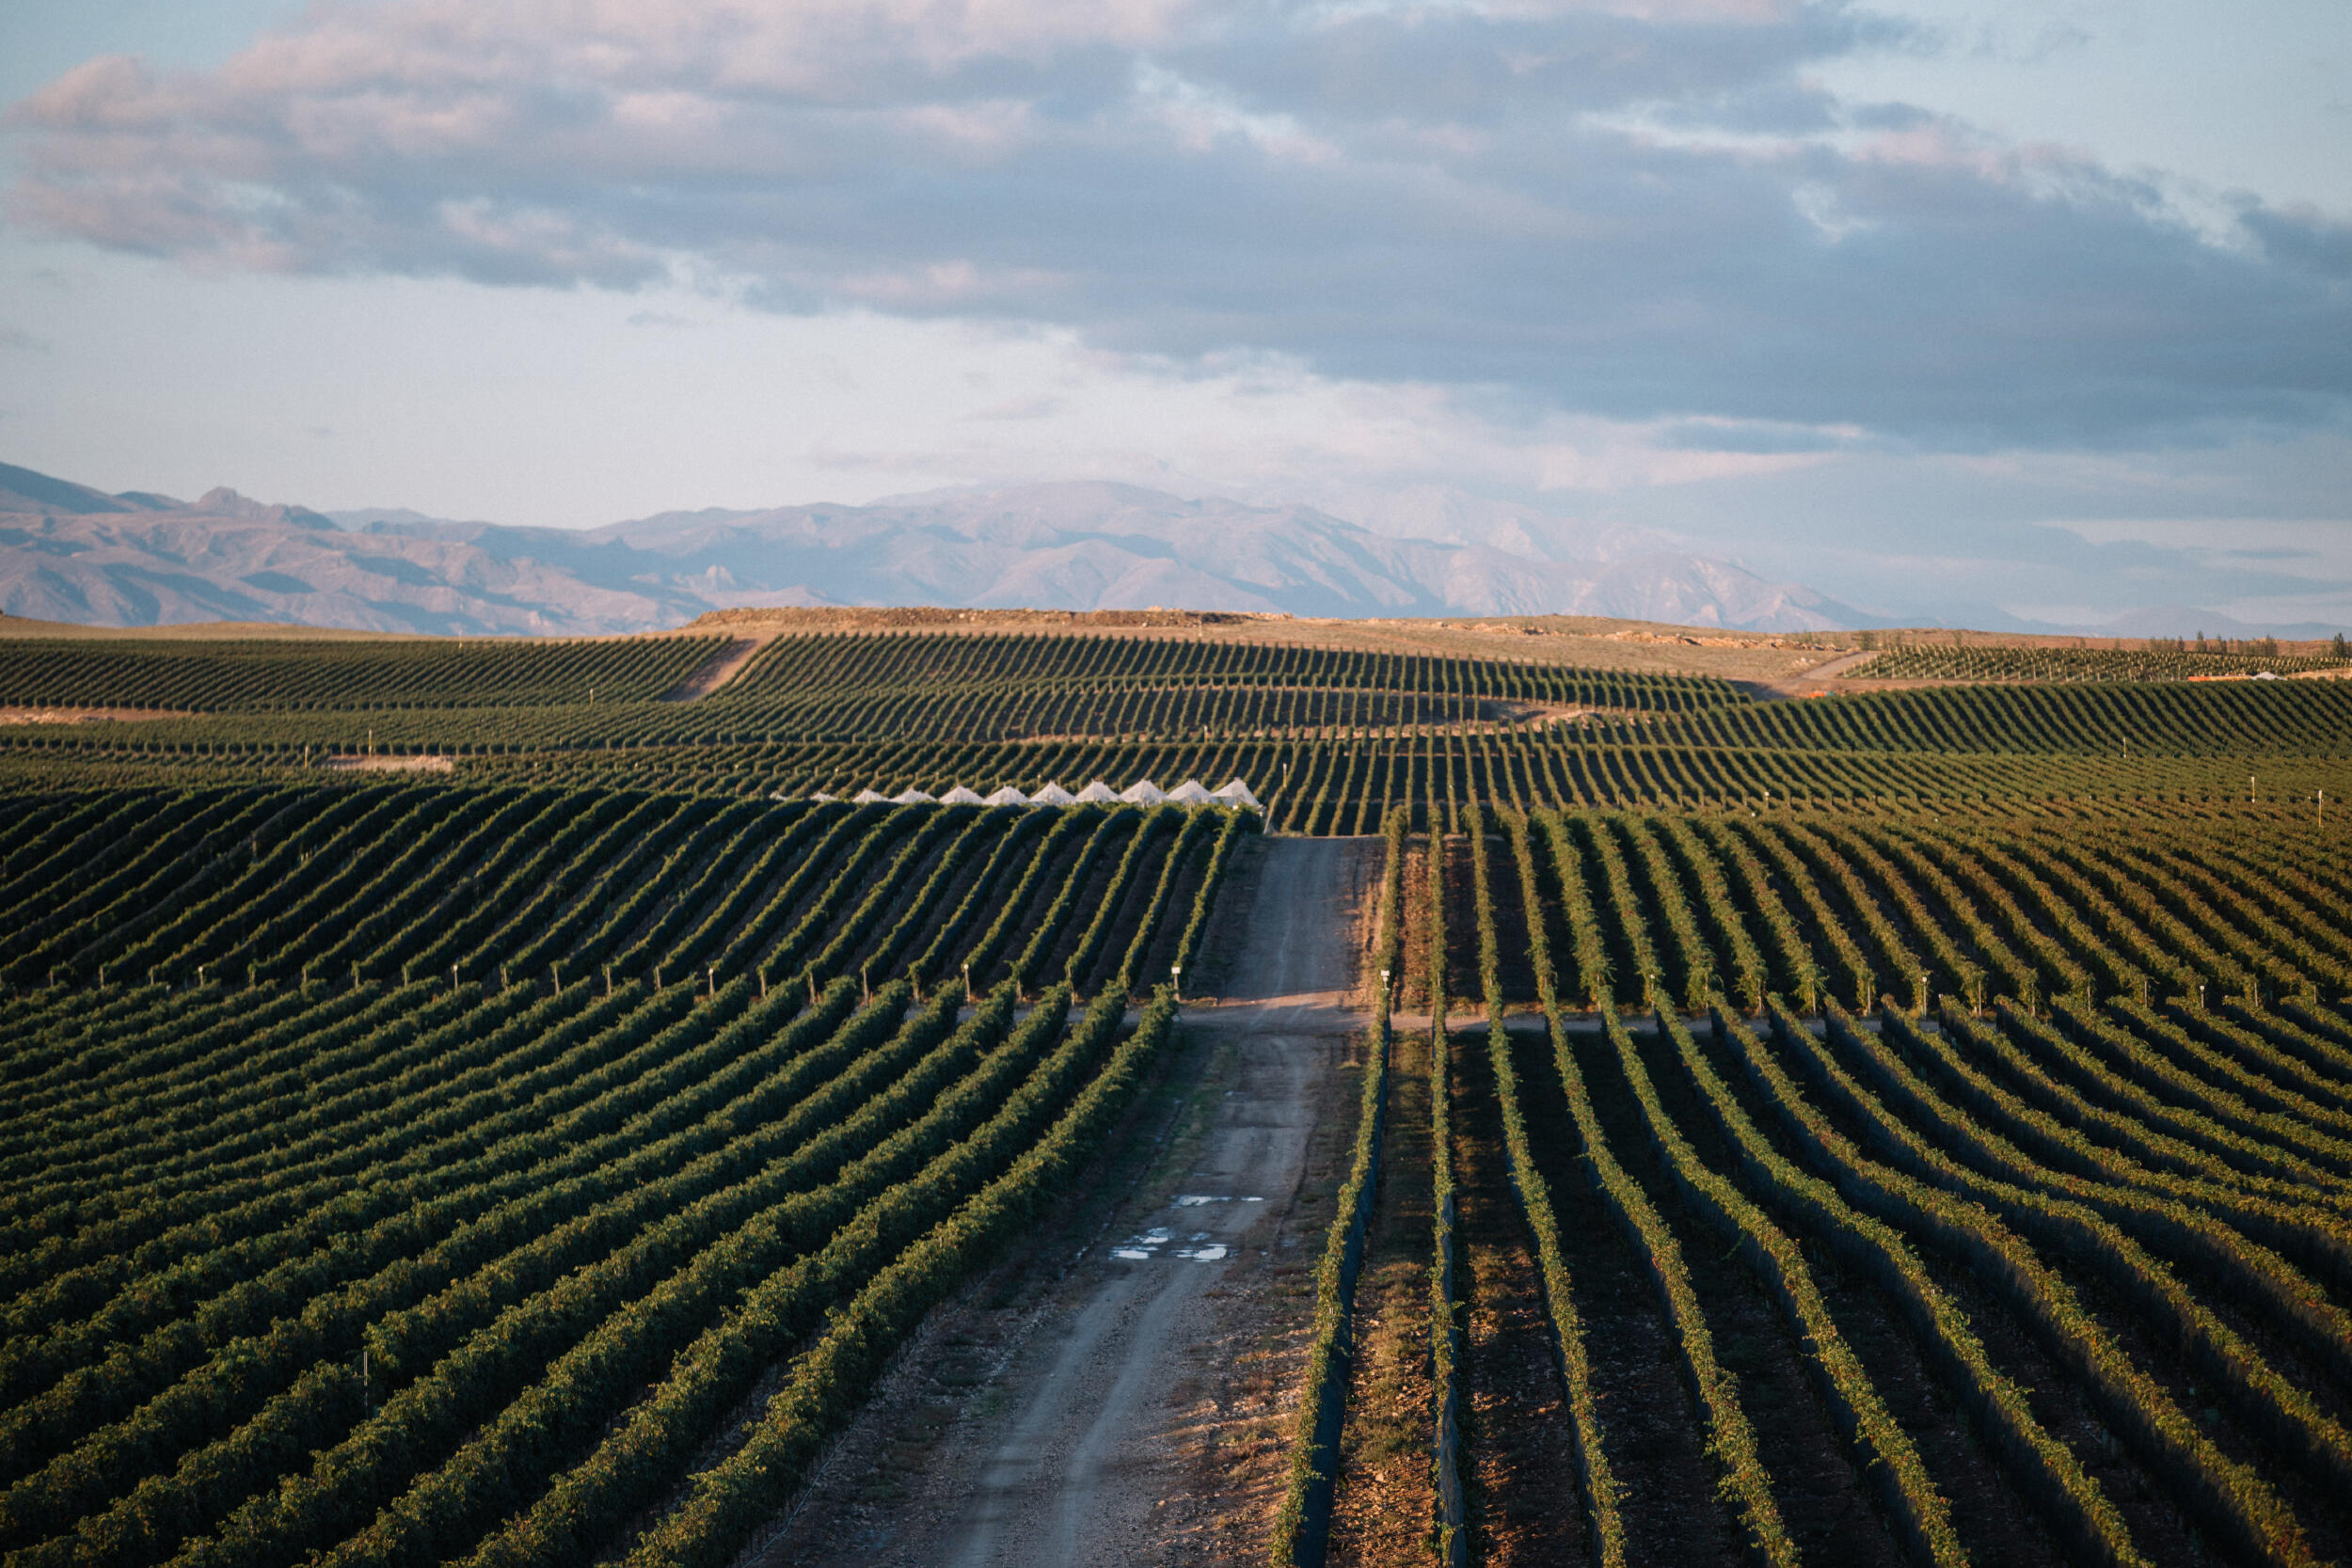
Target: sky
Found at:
1954, 311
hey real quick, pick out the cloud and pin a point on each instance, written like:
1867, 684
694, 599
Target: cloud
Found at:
1754, 436
1630, 211
2303, 237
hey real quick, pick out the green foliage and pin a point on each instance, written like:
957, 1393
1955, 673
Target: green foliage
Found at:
281, 675
2157, 662
369, 1271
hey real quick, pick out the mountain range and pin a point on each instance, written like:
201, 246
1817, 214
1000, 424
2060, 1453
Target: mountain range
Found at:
69, 552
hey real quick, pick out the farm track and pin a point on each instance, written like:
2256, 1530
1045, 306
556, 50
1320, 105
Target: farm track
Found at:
1071, 1479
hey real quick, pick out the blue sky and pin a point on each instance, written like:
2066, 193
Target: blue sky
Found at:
1951, 310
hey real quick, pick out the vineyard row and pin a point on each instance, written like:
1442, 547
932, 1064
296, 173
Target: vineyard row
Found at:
2058, 1283
471, 1268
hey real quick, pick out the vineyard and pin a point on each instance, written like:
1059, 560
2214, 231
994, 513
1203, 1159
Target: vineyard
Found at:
1330, 740
1905, 1126
271, 677
1886, 1193
1925, 661
416, 1175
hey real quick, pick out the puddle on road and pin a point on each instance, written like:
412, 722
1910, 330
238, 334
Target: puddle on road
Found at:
1135, 1249
1199, 1249
1144, 1247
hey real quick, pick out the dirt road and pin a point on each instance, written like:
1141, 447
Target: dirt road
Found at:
1299, 945
1138, 1411
1082, 1473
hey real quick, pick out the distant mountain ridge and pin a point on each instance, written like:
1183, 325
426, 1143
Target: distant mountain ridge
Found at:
69, 552
1095, 545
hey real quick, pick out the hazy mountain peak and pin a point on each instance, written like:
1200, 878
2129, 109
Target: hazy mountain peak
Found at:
23, 490
1064, 545
221, 502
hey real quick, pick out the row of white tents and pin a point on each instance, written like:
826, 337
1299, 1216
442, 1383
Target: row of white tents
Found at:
1145, 793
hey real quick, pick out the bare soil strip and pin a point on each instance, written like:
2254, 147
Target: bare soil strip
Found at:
87, 715
716, 671
389, 763
1385, 1505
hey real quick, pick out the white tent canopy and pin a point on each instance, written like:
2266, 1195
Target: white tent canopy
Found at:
1142, 793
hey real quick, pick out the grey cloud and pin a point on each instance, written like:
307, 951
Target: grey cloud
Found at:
2268, 555
1753, 438
1425, 195
2301, 237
